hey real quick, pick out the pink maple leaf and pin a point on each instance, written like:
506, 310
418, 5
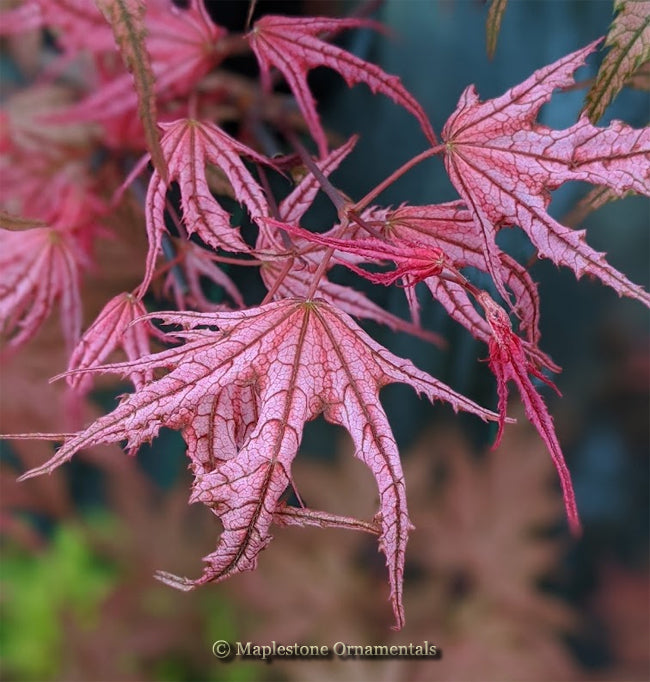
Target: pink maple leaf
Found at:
504, 164
113, 327
291, 44
414, 262
242, 395
78, 24
450, 227
182, 46
188, 146
39, 267
42, 265
509, 361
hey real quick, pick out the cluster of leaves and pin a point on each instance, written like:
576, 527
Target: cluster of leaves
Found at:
241, 381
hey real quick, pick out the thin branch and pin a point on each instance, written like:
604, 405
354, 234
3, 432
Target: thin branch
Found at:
340, 201
395, 175
276, 285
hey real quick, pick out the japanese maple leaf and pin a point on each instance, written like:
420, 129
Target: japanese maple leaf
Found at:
188, 146
43, 265
277, 366
291, 44
113, 327
182, 45
503, 164
414, 262
39, 267
510, 362
450, 228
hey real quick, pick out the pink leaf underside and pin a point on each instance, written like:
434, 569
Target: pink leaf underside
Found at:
450, 227
80, 25
503, 165
292, 45
39, 267
112, 329
188, 146
242, 395
509, 362
413, 261
297, 282
180, 44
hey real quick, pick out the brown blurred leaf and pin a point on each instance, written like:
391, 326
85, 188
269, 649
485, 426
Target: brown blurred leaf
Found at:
629, 43
621, 604
493, 25
472, 569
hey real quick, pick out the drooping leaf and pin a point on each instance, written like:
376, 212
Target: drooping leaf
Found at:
292, 45
629, 43
279, 365
450, 228
509, 362
493, 25
39, 267
126, 18
113, 327
414, 262
188, 146
503, 164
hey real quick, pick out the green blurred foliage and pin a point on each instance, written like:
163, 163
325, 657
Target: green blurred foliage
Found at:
58, 606
67, 581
